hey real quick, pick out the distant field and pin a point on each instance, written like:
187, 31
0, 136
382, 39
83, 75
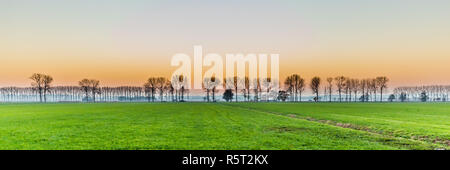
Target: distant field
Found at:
225, 126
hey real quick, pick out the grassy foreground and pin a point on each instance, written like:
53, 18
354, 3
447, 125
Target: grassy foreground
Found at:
224, 126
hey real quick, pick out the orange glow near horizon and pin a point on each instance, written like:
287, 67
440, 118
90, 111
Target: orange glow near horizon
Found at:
134, 71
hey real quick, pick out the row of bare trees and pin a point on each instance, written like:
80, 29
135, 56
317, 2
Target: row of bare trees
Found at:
233, 87
432, 93
168, 90
89, 90
363, 90
262, 89
41, 84
161, 89
154, 89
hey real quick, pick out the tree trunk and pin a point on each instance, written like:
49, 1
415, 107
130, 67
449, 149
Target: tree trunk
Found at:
236, 90
381, 95
40, 96
340, 96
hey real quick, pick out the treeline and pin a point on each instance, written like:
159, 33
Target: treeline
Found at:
90, 90
340, 88
433, 93
161, 89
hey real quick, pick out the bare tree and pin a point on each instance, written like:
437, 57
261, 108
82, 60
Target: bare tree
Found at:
330, 86
300, 87
90, 85
38, 84
382, 84
315, 85
46, 80
347, 87
373, 85
363, 87
297, 82
94, 88
340, 82
355, 87
289, 84
85, 85
160, 85
150, 88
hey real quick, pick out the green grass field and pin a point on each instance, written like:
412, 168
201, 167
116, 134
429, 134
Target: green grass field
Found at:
225, 126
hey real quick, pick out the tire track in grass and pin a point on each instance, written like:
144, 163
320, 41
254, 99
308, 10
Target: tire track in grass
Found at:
443, 144
436, 140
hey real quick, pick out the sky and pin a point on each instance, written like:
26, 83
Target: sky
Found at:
125, 42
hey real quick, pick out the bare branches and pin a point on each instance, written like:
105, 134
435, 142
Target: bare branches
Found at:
330, 87
296, 86
354, 89
41, 83
315, 85
382, 84
90, 85
433, 93
340, 83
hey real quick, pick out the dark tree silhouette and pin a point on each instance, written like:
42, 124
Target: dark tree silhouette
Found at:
315, 85
382, 84
301, 88
373, 85
94, 88
90, 85
363, 87
340, 82
424, 97
150, 88
289, 83
402, 97
38, 84
47, 81
296, 85
330, 87
391, 98
355, 88
228, 95
282, 95
85, 86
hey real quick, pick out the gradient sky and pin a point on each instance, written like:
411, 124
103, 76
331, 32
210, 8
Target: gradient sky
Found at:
124, 42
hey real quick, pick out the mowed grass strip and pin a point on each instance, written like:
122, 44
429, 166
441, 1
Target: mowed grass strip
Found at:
418, 121
172, 126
